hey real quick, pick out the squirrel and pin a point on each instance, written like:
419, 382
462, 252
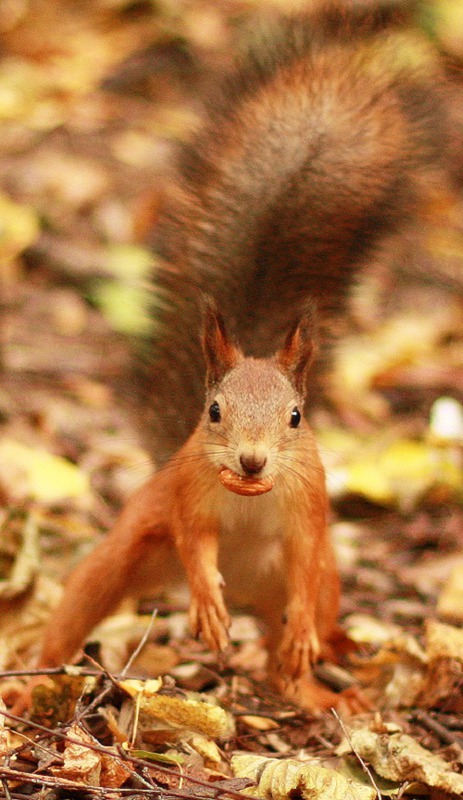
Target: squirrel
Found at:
321, 144
242, 506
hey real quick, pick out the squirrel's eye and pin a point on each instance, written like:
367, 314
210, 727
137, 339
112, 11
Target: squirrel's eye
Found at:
295, 417
214, 412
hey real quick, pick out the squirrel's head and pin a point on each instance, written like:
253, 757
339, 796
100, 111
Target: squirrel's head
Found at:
254, 407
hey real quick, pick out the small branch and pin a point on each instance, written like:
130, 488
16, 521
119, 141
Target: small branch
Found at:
140, 644
127, 758
357, 755
65, 783
445, 735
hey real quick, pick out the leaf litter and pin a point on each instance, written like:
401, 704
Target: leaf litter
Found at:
90, 107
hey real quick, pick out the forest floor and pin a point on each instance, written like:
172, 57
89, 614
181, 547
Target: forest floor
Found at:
94, 98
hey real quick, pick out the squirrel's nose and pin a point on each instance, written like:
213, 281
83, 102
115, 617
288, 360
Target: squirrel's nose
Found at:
252, 464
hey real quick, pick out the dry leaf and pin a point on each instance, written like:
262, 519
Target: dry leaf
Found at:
32, 472
113, 771
23, 620
85, 765
404, 339
450, 600
206, 748
367, 629
202, 716
395, 673
20, 227
442, 686
80, 763
390, 470
26, 563
54, 699
443, 641
399, 757
259, 723
9, 739
280, 779
444, 679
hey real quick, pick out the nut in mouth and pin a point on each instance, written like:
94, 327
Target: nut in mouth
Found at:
245, 485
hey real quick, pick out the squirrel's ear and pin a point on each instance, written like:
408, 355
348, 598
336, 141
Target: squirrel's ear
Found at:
297, 354
219, 351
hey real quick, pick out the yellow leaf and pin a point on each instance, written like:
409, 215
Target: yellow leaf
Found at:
280, 779
259, 723
367, 478
26, 563
398, 757
443, 641
450, 601
206, 748
202, 716
19, 227
35, 473
125, 306
133, 687
387, 472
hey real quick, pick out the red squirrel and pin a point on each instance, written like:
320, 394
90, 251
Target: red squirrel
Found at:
242, 506
319, 147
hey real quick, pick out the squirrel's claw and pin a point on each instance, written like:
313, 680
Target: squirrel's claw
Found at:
210, 620
299, 650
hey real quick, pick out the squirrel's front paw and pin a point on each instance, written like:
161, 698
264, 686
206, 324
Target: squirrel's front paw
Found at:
299, 649
209, 619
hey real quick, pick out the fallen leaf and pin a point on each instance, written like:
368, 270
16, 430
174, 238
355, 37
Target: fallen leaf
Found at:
259, 723
9, 739
397, 472
19, 229
26, 563
280, 779
124, 299
443, 641
399, 757
450, 600
80, 763
34, 473
54, 699
441, 687
395, 673
89, 766
202, 716
207, 749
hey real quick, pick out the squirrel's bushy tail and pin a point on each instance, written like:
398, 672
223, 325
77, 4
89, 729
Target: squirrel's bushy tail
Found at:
318, 147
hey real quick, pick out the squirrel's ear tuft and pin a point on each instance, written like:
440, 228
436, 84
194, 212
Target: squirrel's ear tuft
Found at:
299, 349
219, 351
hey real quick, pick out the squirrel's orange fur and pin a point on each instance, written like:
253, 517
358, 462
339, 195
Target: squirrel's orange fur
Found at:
272, 551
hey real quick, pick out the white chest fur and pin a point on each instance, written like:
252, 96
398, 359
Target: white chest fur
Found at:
251, 544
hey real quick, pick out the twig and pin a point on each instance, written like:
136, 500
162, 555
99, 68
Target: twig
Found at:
6, 789
65, 783
66, 670
127, 757
99, 671
140, 644
57, 734
422, 716
357, 755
